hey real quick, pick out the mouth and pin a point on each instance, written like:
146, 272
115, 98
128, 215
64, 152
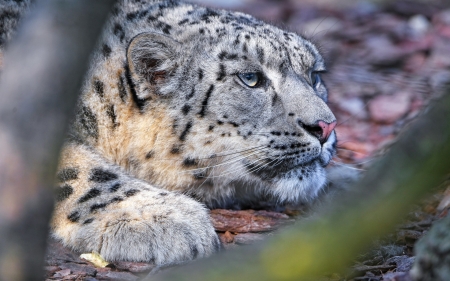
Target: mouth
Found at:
274, 169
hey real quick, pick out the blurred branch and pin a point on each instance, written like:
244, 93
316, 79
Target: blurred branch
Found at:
43, 70
419, 161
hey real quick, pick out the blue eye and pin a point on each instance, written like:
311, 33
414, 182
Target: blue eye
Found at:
315, 79
250, 79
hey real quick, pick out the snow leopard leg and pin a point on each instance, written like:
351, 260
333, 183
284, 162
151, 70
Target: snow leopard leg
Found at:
101, 208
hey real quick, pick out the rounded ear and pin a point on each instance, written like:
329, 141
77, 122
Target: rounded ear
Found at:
151, 57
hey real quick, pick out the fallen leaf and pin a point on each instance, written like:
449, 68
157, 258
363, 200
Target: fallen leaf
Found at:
95, 258
226, 237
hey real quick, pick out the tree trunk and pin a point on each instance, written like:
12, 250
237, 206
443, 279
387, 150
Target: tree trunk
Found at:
43, 70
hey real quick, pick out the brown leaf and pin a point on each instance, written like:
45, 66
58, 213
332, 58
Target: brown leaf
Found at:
226, 237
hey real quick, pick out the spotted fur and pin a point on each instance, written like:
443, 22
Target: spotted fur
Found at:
165, 126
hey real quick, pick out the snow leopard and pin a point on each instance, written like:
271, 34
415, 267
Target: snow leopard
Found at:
186, 108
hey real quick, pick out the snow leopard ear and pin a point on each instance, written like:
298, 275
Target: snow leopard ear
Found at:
151, 57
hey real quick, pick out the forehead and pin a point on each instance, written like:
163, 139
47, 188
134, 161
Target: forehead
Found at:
240, 35
273, 47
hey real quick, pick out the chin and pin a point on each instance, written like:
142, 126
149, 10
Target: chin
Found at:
297, 186
304, 184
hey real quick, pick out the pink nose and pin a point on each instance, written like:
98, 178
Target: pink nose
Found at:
327, 129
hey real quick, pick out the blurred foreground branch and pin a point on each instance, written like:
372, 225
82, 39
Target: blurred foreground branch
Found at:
416, 163
43, 70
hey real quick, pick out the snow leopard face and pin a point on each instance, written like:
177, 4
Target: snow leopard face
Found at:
244, 99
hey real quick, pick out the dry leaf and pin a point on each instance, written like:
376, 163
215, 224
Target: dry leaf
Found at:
95, 258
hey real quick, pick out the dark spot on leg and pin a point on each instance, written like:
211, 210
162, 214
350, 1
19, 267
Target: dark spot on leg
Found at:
88, 221
175, 149
74, 217
199, 175
122, 90
99, 88
67, 174
291, 114
98, 206
163, 194
210, 128
149, 154
185, 109
116, 200
88, 121
88, 196
110, 111
219, 122
131, 192
100, 175
62, 193
175, 125
188, 162
106, 50
200, 74
115, 187
186, 131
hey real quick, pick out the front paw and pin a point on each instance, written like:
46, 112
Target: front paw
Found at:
171, 230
